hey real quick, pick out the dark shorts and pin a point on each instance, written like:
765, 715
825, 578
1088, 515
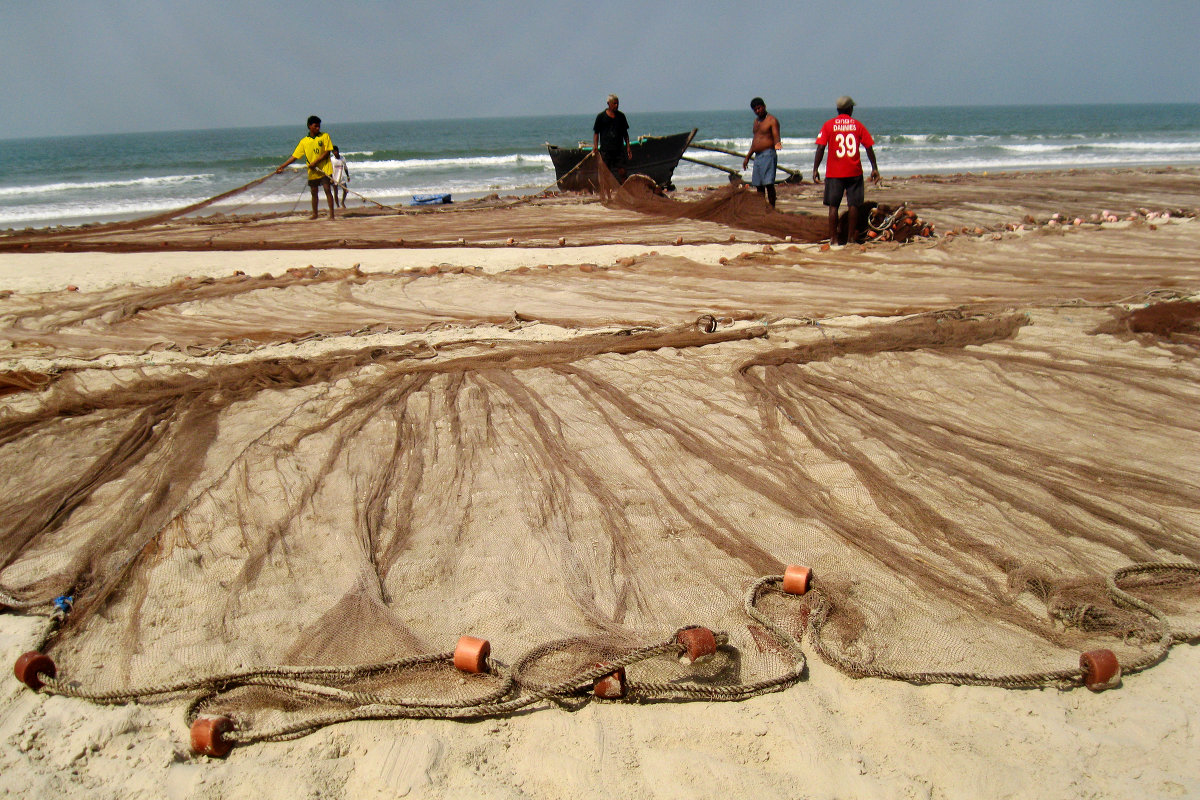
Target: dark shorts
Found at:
315, 182
851, 188
615, 159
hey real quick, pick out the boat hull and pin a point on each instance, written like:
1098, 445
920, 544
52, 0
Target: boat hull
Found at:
652, 156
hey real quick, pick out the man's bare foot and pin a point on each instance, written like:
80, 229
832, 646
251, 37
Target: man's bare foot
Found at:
331, 215
314, 216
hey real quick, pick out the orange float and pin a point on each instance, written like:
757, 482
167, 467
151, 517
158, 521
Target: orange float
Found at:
471, 654
1101, 670
208, 736
697, 641
610, 686
796, 579
31, 666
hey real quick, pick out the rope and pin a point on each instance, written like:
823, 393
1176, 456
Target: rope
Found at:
514, 690
1064, 678
888, 222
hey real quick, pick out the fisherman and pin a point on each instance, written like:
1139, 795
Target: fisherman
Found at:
762, 149
845, 137
340, 177
315, 149
610, 138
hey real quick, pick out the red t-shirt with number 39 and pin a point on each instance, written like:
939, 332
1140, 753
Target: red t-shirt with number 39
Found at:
844, 138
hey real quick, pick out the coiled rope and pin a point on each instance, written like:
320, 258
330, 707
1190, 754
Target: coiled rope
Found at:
514, 691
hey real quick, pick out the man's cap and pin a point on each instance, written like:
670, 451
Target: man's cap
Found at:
845, 101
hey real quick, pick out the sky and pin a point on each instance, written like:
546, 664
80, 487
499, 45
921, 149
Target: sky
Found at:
108, 66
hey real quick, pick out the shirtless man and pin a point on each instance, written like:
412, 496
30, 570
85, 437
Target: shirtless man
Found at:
762, 148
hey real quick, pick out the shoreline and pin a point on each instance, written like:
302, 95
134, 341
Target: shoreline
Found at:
299, 208
924, 439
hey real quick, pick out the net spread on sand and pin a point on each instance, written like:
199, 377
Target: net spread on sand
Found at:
735, 206
285, 498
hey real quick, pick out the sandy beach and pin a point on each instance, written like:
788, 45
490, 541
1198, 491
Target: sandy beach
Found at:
276, 441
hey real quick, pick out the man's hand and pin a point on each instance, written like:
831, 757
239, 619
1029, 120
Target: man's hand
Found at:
874, 176
816, 176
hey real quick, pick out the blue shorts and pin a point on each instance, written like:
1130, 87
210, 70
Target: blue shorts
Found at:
764, 168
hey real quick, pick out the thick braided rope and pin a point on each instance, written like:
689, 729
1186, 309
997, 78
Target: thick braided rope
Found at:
376, 707
744, 690
469, 710
1030, 680
1121, 597
320, 682
232, 679
820, 615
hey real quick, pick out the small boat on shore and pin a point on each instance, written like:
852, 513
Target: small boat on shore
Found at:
653, 156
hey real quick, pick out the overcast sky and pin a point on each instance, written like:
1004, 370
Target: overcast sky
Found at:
102, 66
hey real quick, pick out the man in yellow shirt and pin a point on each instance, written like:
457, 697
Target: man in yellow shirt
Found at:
315, 149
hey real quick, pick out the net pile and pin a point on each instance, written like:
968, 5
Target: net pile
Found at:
292, 537
735, 206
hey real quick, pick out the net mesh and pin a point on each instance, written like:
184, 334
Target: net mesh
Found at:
286, 498
735, 206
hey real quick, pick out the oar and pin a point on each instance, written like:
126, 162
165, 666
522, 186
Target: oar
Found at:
799, 176
710, 164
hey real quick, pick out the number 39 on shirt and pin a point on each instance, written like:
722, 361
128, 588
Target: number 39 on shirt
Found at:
845, 145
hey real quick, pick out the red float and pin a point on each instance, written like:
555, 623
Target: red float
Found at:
208, 736
610, 686
471, 654
699, 642
796, 579
1101, 670
31, 666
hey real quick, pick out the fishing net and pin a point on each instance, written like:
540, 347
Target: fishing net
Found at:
283, 500
735, 206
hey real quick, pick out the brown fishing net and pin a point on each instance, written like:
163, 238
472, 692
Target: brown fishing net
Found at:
735, 206
284, 499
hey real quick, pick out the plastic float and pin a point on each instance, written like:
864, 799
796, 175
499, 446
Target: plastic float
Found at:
1101, 670
698, 642
610, 686
208, 736
796, 579
30, 668
471, 654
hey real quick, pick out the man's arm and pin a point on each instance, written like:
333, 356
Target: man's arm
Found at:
874, 166
324, 156
817, 163
284, 165
775, 133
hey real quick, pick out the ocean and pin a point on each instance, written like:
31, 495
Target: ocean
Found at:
81, 179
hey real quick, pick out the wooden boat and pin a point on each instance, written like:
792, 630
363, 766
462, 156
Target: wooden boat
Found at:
653, 156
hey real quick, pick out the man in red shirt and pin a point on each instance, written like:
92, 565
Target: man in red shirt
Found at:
845, 136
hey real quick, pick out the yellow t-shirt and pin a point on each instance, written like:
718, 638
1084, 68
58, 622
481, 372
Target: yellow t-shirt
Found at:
310, 149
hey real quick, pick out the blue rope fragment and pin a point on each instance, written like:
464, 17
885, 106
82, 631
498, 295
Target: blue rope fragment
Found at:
64, 602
